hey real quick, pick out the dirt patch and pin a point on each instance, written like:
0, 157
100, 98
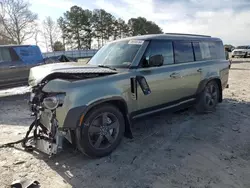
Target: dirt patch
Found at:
169, 150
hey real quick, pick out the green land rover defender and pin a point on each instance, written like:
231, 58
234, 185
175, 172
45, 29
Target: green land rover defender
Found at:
92, 105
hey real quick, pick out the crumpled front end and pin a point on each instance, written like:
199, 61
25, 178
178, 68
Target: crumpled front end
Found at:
47, 135
45, 104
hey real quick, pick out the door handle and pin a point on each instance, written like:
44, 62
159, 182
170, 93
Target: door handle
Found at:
175, 75
199, 70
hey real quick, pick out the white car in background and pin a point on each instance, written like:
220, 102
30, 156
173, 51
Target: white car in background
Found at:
241, 51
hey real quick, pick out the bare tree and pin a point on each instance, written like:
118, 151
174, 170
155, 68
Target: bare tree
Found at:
45, 40
51, 31
17, 20
3, 37
36, 35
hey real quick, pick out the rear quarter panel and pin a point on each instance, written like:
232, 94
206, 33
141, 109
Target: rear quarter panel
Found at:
215, 69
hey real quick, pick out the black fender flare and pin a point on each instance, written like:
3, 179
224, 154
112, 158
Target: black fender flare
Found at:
74, 116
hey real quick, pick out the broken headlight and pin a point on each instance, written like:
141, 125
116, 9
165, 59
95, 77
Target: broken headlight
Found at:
54, 101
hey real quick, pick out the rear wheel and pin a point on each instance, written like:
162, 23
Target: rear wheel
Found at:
209, 98
101, 132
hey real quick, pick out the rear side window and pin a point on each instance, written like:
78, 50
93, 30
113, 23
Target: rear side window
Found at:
183, 52
5, 54
208, 50
164, 48
217, 50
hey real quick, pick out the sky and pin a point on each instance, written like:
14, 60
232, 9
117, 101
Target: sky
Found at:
226, 19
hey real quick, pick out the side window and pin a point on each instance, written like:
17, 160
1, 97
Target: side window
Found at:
13, 54
219, 50
213, 50
164, 48
205, 50
183, 52
197, 51
5, 54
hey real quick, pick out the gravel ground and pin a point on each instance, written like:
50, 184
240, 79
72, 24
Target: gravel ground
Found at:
169, 150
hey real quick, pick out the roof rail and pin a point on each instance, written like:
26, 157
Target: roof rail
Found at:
188, 34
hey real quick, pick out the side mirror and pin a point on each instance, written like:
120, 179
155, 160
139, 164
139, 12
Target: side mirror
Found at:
156, 60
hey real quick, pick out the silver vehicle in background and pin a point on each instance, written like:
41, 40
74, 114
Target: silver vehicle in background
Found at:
241, 51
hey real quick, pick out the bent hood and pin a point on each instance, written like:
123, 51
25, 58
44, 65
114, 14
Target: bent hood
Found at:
48, 72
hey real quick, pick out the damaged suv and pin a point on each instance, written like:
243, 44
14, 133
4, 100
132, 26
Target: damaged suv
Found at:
93, 105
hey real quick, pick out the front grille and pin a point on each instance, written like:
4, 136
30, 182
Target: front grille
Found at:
239, 52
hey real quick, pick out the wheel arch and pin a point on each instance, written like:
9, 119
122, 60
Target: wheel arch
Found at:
204, 82
118, 102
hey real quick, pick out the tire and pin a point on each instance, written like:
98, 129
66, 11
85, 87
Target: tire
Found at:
208, 99
91, 134
245, 56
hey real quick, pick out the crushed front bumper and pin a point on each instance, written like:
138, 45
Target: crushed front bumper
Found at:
46, 136
45, 139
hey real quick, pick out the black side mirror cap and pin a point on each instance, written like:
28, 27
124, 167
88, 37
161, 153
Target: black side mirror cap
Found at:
156, 60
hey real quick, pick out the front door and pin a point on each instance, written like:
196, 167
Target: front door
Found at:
159, 79
174, 82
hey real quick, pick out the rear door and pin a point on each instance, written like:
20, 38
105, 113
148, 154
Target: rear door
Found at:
188, 70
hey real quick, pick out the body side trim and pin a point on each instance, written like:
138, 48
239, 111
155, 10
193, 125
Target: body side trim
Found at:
162, 107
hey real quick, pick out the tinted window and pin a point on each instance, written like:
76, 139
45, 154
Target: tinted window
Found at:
197, 51
183, 52
13, 55
164, 48
5, 54
213, 50
217, 49
205, 51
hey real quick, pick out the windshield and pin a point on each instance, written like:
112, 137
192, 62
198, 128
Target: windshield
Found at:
117, 54
242, 47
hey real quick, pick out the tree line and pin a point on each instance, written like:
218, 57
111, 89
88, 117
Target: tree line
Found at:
77, 28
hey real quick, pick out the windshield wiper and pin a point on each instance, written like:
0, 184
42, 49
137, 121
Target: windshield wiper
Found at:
106, 66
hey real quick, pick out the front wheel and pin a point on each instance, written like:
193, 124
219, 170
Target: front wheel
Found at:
209, 98
101, 132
